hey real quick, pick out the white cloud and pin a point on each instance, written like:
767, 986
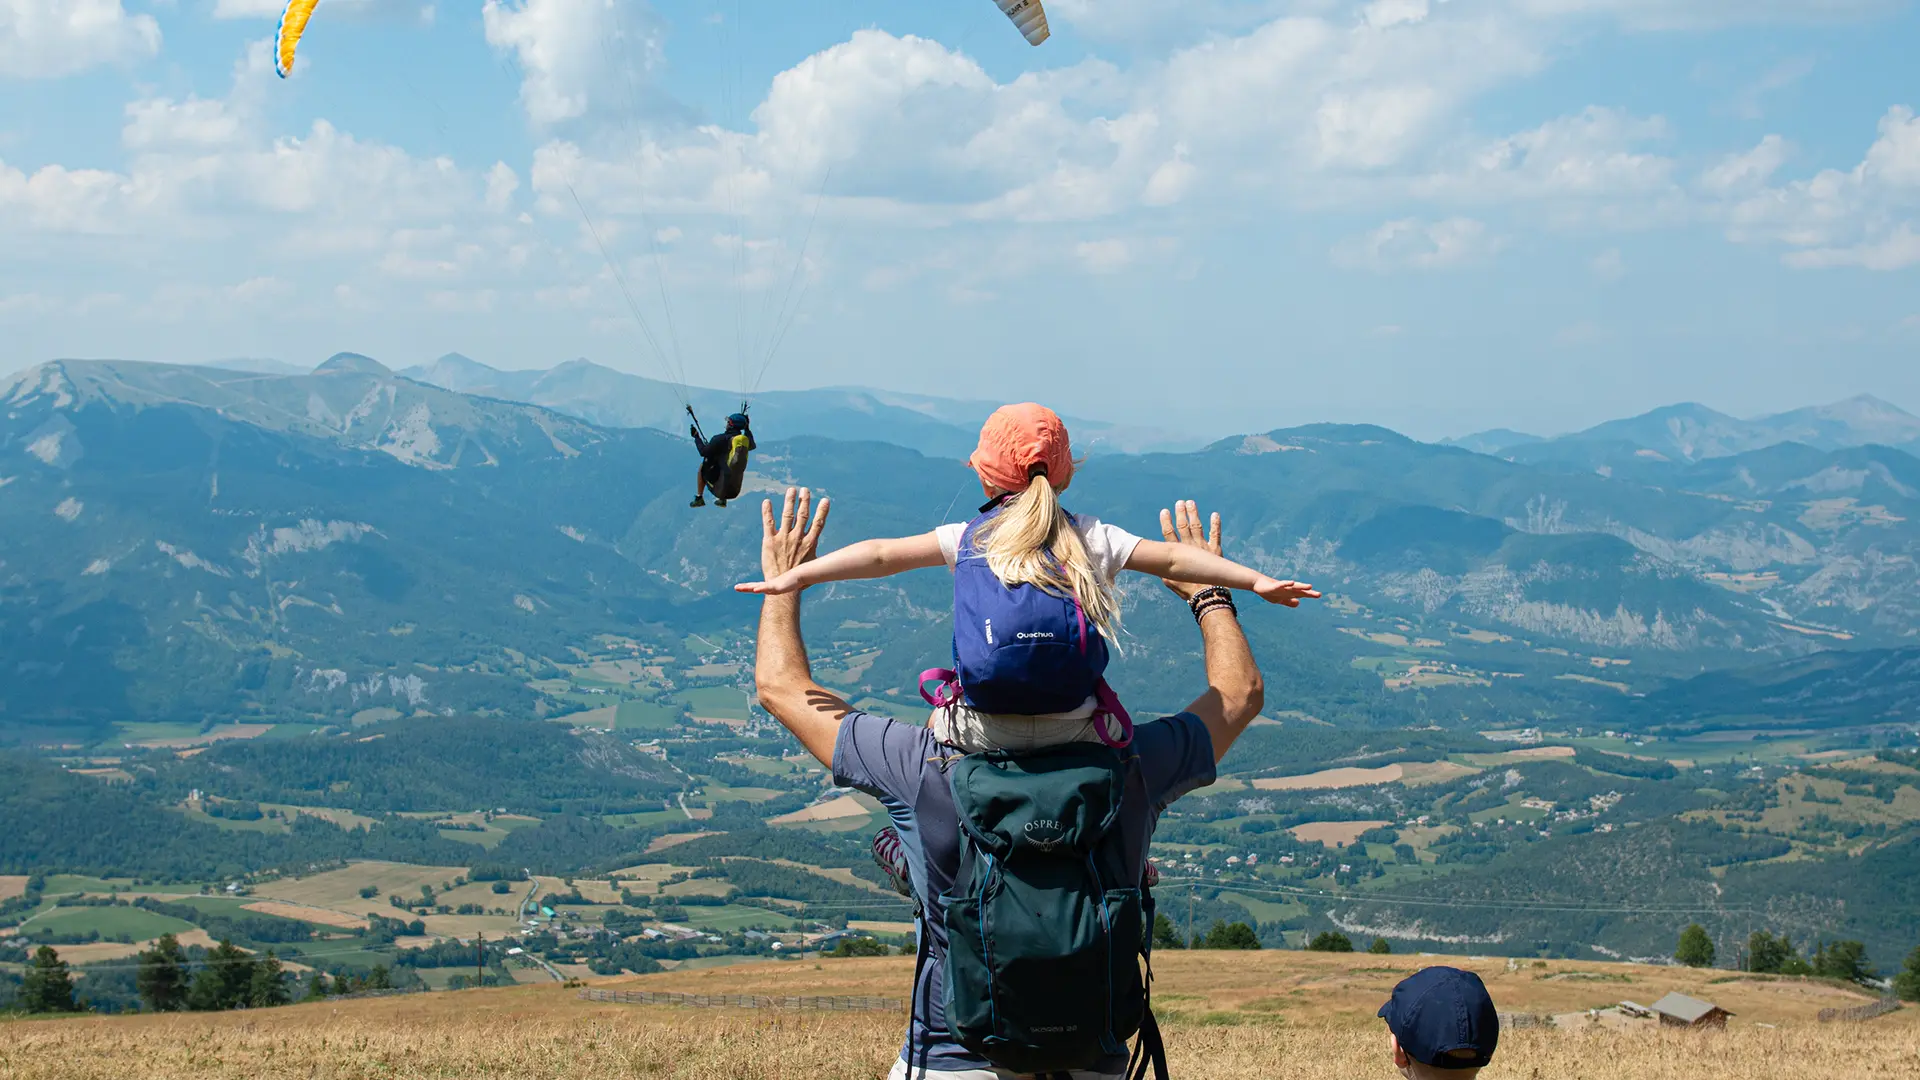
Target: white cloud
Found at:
49, 38
1383, 13
502, 182
1594, 154
1103, 256
1692, 14
155, 123
1866, 216
271, 9
573, 54
1609, 265
1411, 244
1749, 170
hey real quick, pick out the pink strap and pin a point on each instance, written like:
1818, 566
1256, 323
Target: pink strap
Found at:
947, 693
1110, 719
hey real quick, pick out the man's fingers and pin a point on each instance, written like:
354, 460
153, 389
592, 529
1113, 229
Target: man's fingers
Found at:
819, 523
766, 517
786, 510
1213, 533
1166, 527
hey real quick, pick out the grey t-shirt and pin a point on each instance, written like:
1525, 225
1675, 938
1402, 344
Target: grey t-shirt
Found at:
904, 767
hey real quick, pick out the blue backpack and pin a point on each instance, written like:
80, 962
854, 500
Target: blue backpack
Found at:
1022, 650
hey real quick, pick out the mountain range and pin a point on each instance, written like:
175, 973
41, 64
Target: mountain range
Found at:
189, 542
1691, 432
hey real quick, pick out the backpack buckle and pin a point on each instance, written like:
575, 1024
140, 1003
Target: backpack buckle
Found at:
946, 693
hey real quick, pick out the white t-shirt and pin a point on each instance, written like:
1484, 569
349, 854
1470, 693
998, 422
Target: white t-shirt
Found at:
1108, 546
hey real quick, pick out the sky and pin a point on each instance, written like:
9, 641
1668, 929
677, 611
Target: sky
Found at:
1436, 215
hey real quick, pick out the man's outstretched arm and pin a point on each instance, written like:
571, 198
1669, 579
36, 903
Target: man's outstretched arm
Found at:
782, 675
1235, 690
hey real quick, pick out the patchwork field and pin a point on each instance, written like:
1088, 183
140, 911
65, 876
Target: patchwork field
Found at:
843, 806
1245, 1016
12, 885
1335, 833
1332, 778
339, 890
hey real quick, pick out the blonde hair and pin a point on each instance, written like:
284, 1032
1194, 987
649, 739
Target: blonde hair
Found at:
1032, 541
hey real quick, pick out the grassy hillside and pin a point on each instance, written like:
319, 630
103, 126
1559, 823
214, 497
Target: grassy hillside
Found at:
1232, 1018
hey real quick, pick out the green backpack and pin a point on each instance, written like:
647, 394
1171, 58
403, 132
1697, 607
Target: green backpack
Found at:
1048, 928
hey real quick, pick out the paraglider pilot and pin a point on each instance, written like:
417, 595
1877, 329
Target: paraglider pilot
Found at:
723, 460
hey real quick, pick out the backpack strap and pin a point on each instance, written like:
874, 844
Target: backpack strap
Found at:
946, 693
1151, 1050
1111, 720
921, 950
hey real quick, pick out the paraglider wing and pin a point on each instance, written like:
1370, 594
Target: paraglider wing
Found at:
1028, 16
293, 23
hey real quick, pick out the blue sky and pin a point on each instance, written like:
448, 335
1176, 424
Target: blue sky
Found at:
1438, 215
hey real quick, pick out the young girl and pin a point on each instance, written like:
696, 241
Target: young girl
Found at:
1034, 598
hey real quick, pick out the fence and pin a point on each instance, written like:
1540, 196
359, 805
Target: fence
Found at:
1860, 1012
745, 1001
1524, 1020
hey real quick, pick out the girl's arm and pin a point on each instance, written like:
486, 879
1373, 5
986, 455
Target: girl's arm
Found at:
866, 559
1185, 562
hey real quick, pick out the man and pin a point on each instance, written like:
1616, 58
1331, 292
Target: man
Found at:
723, 460
1442, 1025
903, 766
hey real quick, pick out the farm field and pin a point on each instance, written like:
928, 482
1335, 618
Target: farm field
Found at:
1256, 1016
1334, 833
109, 922
339, 890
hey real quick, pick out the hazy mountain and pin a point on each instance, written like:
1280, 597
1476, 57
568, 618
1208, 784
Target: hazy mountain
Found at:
936, 426
189, 542
1492, 441
259, 366
1691, 432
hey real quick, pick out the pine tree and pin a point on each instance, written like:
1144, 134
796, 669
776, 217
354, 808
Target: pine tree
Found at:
224, 982
1695, 948
48, 985
1226, 935
268, 987
1380, 947
163, 976
1330, 941
317, 988
1845, 960
1164, 935
1906, 985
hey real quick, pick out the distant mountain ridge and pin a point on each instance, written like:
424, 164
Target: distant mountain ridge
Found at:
941, 427
1690, 432
176, 541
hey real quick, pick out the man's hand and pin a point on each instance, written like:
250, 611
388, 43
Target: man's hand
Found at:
793, 541
1181, 525
782, 677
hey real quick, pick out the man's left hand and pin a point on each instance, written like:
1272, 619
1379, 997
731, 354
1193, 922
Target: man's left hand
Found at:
794, 539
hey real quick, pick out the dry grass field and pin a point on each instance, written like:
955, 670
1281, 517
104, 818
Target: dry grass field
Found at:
1259, 1016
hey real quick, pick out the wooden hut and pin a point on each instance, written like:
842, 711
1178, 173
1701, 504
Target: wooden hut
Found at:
1679, 1010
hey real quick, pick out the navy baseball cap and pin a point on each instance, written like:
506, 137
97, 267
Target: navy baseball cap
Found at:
1443, 1017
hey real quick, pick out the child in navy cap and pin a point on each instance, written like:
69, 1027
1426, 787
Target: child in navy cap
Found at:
1443, 1024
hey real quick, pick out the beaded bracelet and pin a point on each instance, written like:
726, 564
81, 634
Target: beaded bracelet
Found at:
1212, 600
1209, 594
